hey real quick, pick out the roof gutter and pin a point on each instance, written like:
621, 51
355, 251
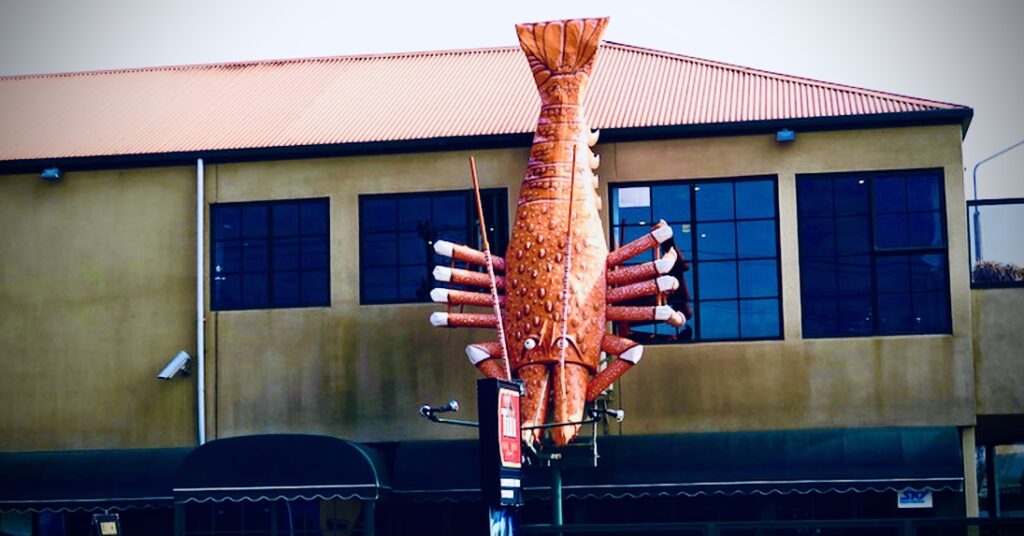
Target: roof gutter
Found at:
961, 116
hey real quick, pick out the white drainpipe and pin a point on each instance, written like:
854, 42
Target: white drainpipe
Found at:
200, 308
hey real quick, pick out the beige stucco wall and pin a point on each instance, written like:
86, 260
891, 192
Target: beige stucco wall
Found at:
96, 294
999, 350
361, 371
97, 288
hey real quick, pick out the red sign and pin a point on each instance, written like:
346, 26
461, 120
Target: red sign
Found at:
509, 434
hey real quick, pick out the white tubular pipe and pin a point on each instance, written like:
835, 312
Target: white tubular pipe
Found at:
200, 307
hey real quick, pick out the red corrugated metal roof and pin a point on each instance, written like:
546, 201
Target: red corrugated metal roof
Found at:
390, 97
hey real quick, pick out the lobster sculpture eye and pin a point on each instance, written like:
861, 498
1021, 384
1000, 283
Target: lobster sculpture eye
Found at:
530, 343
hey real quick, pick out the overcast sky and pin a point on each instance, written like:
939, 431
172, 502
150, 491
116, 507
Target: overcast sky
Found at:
960, 51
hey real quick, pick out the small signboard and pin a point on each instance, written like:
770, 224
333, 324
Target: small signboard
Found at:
910, 498
106, 525
501, 477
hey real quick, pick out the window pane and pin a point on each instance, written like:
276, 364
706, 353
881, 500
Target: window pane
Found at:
254, 221
254, 290
814, 197
671, 203
818, 276
756, 238
413, 250
316, 288
716, 241
817, 237
893, 274
313, 217
376, 214
414, 213
227, 291
820, 316
759, 318
925, 229
931, 312
227, 222
853, 235
854, 275
755, 199
315, 253
254, 256
449, 212
891, 231
928, 272
379, 284
758, 279
895, 313
855, 315
379, 250
227, 256
852, 196
414, 283
923, 192
890, 194
286, 289
719, 320
716, 280
714, 201
633, 205
286, 219
286, 254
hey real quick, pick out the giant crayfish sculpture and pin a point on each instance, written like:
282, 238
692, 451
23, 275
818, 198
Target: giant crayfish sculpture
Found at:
554, 292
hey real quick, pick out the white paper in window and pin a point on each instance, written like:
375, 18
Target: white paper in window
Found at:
634, 197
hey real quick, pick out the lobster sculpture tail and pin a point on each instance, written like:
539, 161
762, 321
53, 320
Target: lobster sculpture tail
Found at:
555, 306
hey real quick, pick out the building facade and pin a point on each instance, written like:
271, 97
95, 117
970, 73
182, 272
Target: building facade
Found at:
830, 281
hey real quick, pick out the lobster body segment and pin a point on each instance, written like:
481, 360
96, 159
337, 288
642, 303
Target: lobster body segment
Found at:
555, 307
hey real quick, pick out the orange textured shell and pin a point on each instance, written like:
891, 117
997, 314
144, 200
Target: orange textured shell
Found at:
561, 55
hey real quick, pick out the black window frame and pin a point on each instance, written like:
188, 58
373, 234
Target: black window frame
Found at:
317, 301
980, 204
694, 261
493, 199
875, 251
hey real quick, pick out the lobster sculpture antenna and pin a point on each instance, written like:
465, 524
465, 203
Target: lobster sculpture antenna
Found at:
560, 285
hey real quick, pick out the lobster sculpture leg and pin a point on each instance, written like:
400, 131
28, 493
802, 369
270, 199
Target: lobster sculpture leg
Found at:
558, 282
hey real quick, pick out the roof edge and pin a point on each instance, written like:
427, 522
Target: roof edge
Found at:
960, 116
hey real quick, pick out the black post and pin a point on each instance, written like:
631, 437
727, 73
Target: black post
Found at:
992, 481
370, 517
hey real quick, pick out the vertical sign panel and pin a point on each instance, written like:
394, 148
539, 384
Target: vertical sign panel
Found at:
500, 442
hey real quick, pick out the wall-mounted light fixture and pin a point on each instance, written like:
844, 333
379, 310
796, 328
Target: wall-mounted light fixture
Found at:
52, 174
179, 364
785, 136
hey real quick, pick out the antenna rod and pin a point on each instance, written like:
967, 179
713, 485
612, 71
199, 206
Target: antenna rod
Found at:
490, 269
563, 343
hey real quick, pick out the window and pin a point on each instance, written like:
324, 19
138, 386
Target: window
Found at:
397, 234
873, 254
270, 254
728, 231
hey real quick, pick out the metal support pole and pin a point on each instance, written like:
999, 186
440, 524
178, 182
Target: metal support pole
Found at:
992, 481
370, 517
556, 497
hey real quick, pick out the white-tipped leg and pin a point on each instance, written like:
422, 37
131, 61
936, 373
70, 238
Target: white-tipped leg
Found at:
439, 295
667, 314
476, 354
662, 232
439, 320
597, 182
666, 262
667, 283
629, 353
633, 355
595, 161
444, 247
486, 356
592, 137
442, 274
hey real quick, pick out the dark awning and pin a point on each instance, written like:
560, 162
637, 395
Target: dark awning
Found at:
804, 461
88, 479
286, 466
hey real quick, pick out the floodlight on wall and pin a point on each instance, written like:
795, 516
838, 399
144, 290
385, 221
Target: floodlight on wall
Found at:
785, 136
52, 174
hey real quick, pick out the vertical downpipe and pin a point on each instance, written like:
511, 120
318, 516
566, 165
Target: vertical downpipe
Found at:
200, 308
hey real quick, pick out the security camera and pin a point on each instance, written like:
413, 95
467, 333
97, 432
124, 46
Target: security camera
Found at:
178, 364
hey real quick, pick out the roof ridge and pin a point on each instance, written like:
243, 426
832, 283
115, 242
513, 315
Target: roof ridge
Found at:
782, 76
250, 63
